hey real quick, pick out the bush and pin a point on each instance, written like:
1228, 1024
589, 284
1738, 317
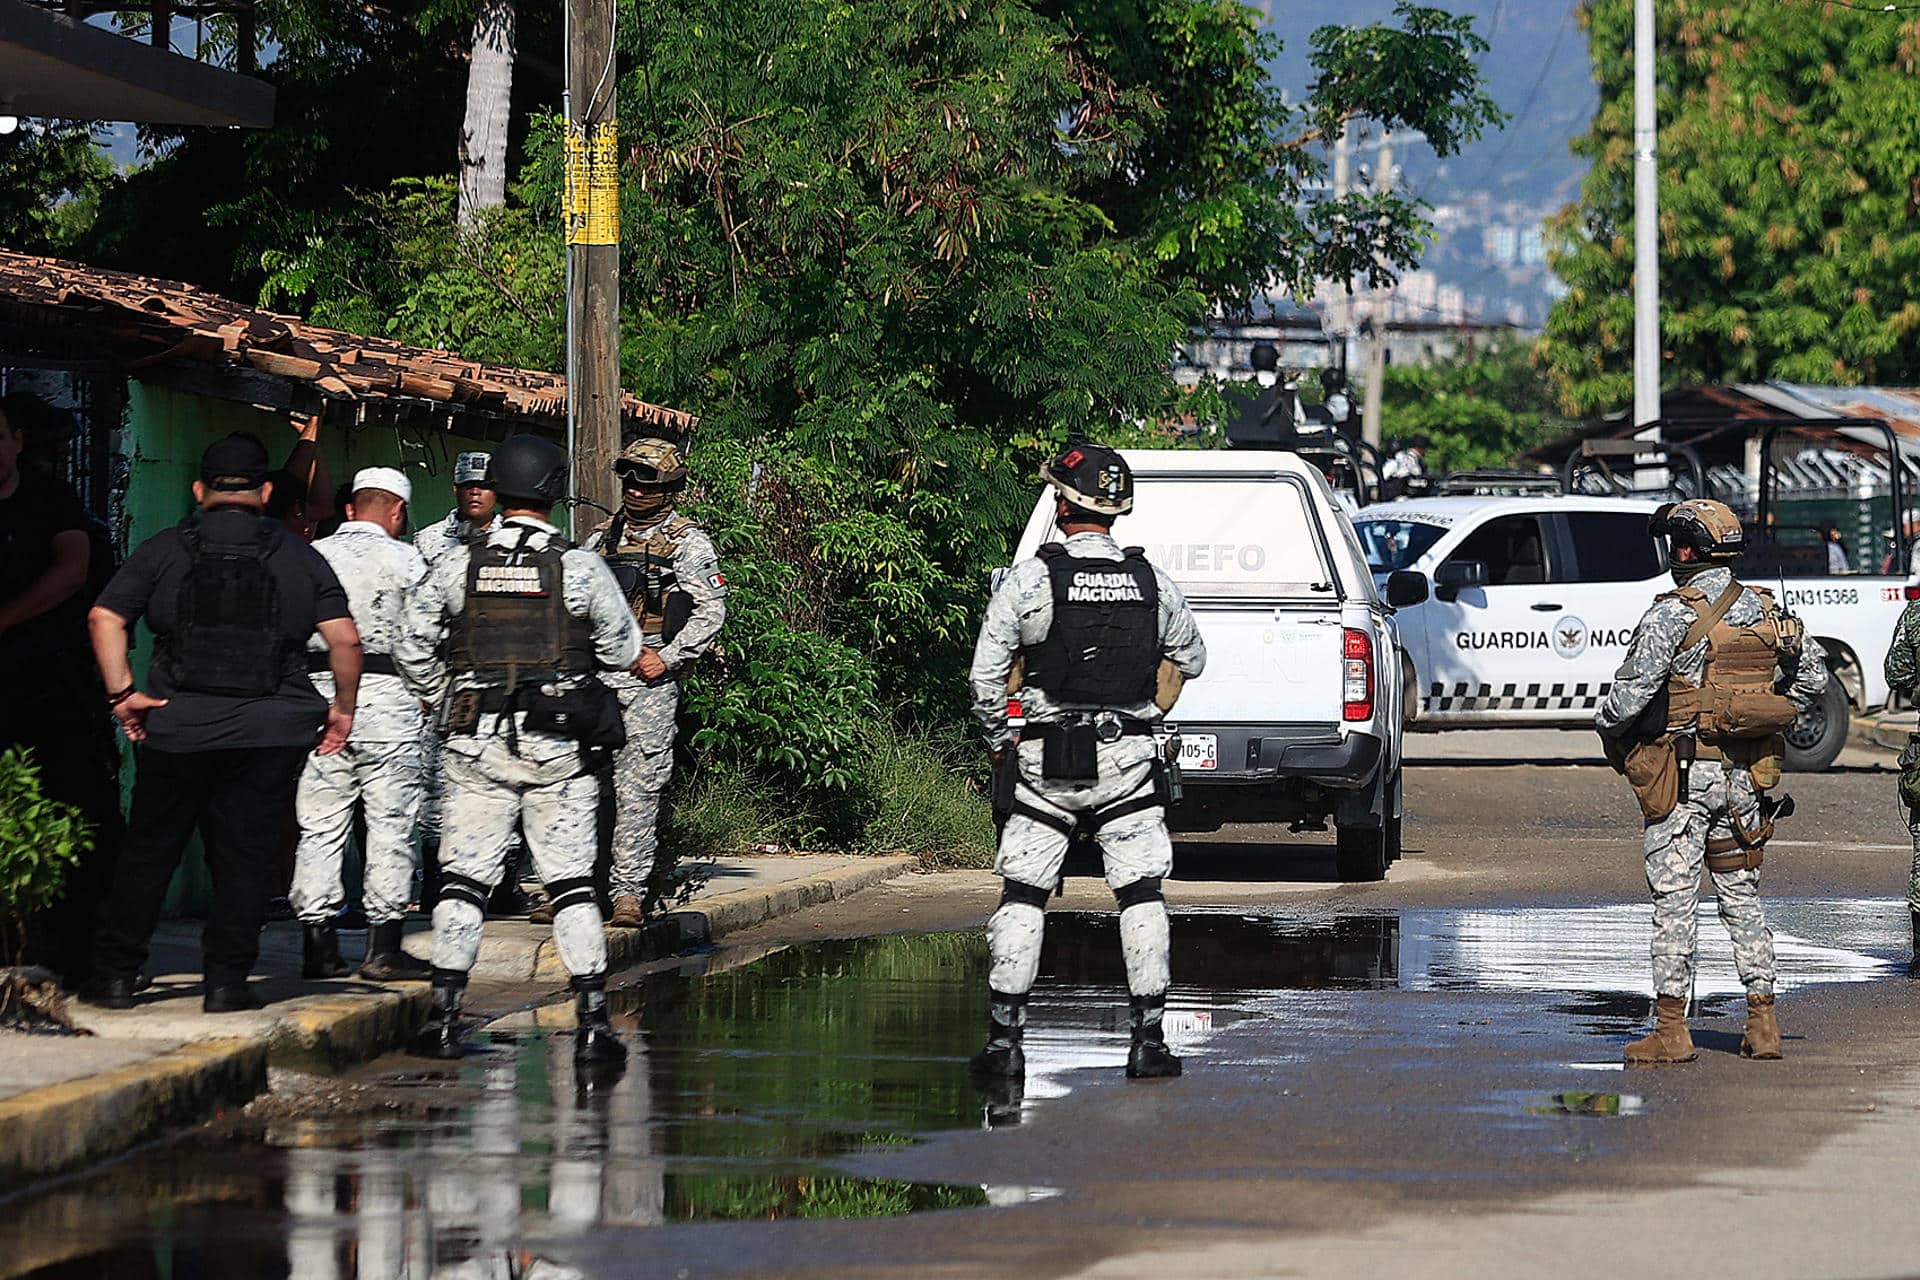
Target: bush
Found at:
41, 840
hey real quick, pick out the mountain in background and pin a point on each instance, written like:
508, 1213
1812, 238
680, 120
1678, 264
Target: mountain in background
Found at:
1488, 201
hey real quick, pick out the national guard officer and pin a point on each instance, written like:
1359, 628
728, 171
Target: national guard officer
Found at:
667, 569
475, 510
383, 763
1903, 676
1715, 673
232, 598
1092, 625
506, 634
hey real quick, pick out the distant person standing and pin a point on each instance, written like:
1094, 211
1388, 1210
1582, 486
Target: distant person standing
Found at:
231, 597
1836, 548
382, 766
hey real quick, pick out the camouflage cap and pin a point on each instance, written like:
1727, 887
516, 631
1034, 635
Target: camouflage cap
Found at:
651, 461
470, 468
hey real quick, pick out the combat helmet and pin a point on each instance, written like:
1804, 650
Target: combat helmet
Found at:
530, 468
652, 462
1093, 478
1709, 527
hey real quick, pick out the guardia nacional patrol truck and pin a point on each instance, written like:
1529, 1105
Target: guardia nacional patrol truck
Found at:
1517, 611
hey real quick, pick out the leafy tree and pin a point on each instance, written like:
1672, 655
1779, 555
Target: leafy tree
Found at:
41, 840
1476, 410
1789, 201
51, 177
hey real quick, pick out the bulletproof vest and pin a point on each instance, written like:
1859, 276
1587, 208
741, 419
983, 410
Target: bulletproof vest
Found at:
646, 575
1103, 649
1735, 699
227, 635
515, 626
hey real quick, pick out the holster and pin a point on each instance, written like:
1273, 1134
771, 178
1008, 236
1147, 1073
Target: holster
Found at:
1006, 771
1653, 771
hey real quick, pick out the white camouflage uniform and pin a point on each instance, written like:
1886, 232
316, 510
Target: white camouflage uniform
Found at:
1676, 846
382, 765
1134, 847
543, 787
433, 542
642, 768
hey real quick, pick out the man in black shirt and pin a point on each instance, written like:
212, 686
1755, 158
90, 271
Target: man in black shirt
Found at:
49, 697
227, 718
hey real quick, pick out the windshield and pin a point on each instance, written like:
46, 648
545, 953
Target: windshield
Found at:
1391, 545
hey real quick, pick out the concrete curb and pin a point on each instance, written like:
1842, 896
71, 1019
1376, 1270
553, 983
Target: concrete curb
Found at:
1874, 733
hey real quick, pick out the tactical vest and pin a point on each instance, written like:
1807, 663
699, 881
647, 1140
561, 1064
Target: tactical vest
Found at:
1103, 649
515, 626
646, 574
227, 636
1735, 701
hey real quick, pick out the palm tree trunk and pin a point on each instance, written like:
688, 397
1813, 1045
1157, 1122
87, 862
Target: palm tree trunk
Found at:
483, 137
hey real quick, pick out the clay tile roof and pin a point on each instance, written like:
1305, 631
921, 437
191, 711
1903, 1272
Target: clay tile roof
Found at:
152, 322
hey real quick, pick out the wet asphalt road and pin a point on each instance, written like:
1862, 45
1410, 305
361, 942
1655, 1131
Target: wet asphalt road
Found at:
1415, 1077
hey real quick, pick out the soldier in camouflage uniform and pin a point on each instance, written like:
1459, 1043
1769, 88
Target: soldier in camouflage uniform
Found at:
1709, 640
515, 626
1903, 676
667, 568
382, 764
1091, 626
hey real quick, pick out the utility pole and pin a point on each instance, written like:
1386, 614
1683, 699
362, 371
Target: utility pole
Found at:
593, 254
1377, 320
1646, 212
1343, 301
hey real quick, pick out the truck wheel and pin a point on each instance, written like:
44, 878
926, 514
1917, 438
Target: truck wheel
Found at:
1360, 853
1815, 739
1392, 827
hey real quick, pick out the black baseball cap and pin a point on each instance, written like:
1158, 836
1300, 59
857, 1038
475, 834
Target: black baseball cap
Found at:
235, 463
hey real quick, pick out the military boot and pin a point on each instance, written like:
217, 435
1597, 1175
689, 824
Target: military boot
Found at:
1669, 1041
1913, 965
387, 961
627, 913
439, 1036
596, 1045
1763, 1030
320, 952
1149, 1058
1005, 1055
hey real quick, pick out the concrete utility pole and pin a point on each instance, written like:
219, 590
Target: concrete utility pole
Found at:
1377, 320
1343, 301
1646, 217
593, 256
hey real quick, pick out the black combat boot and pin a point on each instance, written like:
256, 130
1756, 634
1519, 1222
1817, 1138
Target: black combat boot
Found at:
386, 961
1149, 1058
1005, 1055
439, 1036
596, 1045
320, 949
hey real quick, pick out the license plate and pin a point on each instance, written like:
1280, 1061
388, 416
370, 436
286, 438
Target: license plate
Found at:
1199, 751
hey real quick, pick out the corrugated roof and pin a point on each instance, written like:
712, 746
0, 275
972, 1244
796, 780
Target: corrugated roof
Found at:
152, 322
1900, 406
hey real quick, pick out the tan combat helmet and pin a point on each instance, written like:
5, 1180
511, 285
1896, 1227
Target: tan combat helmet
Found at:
1709, 527
651, 462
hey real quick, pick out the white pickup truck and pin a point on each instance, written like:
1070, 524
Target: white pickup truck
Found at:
1297, 717
1529, 603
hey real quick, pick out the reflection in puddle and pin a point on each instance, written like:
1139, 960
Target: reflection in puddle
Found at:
1579, 1102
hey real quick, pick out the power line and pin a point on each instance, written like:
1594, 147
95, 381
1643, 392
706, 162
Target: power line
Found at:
1539, 82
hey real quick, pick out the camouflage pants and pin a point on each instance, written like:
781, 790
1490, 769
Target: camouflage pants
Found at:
1133, 848
641, 771
1676, 855
433, 774
1913, 876
385, 778
542, 789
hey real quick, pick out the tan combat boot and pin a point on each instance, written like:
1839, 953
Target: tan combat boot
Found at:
1763, 1030
1669, 1041
626, 913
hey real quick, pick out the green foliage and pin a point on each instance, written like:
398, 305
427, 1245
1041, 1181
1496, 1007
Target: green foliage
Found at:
51, 177
1478, 411
1789, 213
41, 840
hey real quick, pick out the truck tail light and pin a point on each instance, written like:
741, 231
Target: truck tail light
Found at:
1357, 683
1913, 593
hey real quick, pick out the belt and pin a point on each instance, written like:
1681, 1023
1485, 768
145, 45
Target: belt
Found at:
371, 664
1129, 728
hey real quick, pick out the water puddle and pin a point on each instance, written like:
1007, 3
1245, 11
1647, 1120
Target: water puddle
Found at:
777, 1088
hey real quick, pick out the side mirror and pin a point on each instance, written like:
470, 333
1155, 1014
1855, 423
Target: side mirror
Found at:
1406, 587
1456, 575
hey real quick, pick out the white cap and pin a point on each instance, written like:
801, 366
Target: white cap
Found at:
386, 479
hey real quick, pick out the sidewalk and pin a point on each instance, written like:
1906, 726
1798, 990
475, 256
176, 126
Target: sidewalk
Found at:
66, 1101
1883, 730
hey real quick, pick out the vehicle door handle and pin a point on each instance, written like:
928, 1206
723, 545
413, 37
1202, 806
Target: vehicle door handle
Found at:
1544, 607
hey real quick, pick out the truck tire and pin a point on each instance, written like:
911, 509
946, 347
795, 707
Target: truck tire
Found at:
1362, 853
1815, 739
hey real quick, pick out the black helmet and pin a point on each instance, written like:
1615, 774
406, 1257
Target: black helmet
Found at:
1709, 527
1093, 478
530, 468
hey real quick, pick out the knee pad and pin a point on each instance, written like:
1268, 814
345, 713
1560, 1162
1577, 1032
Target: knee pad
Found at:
1013, 893
1139, 893
457, 888
574, 891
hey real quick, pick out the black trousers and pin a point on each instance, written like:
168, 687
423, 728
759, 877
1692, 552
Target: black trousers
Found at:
238, 799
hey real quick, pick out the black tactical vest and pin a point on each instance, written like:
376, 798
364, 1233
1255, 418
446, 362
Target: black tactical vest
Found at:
515, 626
227, 637
1103, 649
647, 577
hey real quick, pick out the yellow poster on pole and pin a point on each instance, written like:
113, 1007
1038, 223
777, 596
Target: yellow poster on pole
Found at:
592, 197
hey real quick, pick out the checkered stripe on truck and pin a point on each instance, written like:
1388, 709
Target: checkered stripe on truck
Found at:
1466, 696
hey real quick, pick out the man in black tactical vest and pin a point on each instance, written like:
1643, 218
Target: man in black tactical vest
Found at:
505, 636
231, 598
1092, 626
